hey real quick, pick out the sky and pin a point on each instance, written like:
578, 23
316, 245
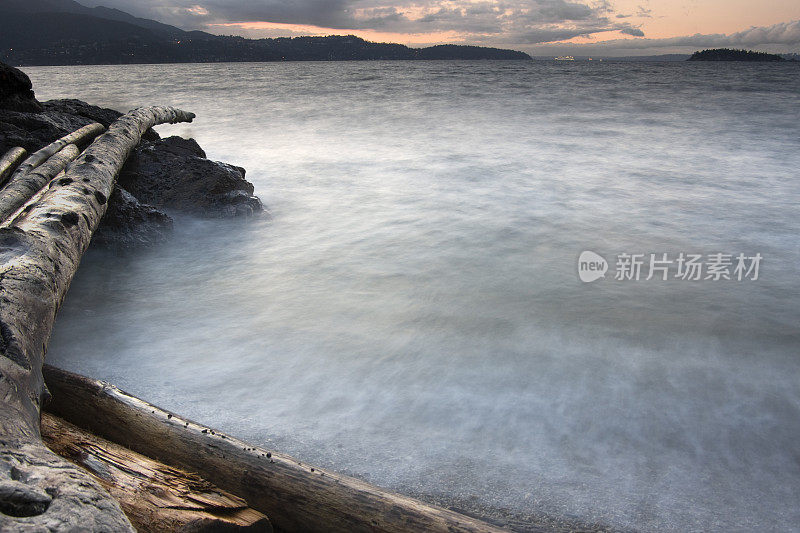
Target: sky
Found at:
539, 27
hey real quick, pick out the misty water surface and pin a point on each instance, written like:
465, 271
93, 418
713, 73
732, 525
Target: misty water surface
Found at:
412, 313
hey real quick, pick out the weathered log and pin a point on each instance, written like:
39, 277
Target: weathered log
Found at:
9, 162
22, 186
78, 137
295, 496
39, 254
155, 497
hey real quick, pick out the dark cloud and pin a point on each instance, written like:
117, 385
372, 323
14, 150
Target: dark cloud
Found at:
523, 24
564, 11
533, 21
329, 13
785, 33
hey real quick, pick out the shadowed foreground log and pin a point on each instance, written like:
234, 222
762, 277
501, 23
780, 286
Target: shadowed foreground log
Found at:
155, 497
296, 497
9, 162
21, 187
39, 254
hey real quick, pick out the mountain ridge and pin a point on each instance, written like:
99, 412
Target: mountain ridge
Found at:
101, 12
69, 33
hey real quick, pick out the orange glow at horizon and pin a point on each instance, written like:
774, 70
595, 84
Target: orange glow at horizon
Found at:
658, 19
402, 38
668, 18
370, 35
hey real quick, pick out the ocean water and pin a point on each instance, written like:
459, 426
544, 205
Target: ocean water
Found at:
411, 313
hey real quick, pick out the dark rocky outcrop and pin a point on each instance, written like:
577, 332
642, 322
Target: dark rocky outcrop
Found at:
77, 108
70, 112
129, 224
54, 119
16, 90
31, 131
173, 173
161, 174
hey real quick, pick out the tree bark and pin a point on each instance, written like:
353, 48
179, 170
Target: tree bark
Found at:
22, 187
9, 162
39, 254
79, 137
295, 496
155, 497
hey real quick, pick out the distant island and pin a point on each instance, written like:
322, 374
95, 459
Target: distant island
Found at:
726, 54
64, 32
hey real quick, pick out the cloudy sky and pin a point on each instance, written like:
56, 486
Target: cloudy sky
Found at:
540, 27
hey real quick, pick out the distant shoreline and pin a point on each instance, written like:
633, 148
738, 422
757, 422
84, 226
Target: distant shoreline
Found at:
24, 65
632, 59
69, 33
727, 54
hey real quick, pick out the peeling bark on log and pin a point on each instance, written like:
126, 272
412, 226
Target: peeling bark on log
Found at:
79, 137
155, 497
9, 162
296, 497
19, 190
39, 254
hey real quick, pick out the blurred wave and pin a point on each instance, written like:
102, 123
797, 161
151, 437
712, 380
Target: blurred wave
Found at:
412, 313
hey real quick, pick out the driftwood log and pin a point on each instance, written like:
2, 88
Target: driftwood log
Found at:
23, 186
9, 162
78, 137
41, 167
39, 254
295, 496
155, 497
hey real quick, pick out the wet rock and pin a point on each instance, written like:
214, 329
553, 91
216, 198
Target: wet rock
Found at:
129, 224
16, 90
180, 147
161, 174
173, 173
72, 114
77, 108
53, 120
56, 118
31, 131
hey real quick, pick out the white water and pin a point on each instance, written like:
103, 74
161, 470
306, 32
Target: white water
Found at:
412, 313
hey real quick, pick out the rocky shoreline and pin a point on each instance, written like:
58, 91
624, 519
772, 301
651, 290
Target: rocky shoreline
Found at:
161, 176
173, 176
95, 177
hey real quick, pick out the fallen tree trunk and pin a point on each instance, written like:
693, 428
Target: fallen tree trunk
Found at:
78, 137
21, 187
155, 497
39, 254
296, 497
9, 162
